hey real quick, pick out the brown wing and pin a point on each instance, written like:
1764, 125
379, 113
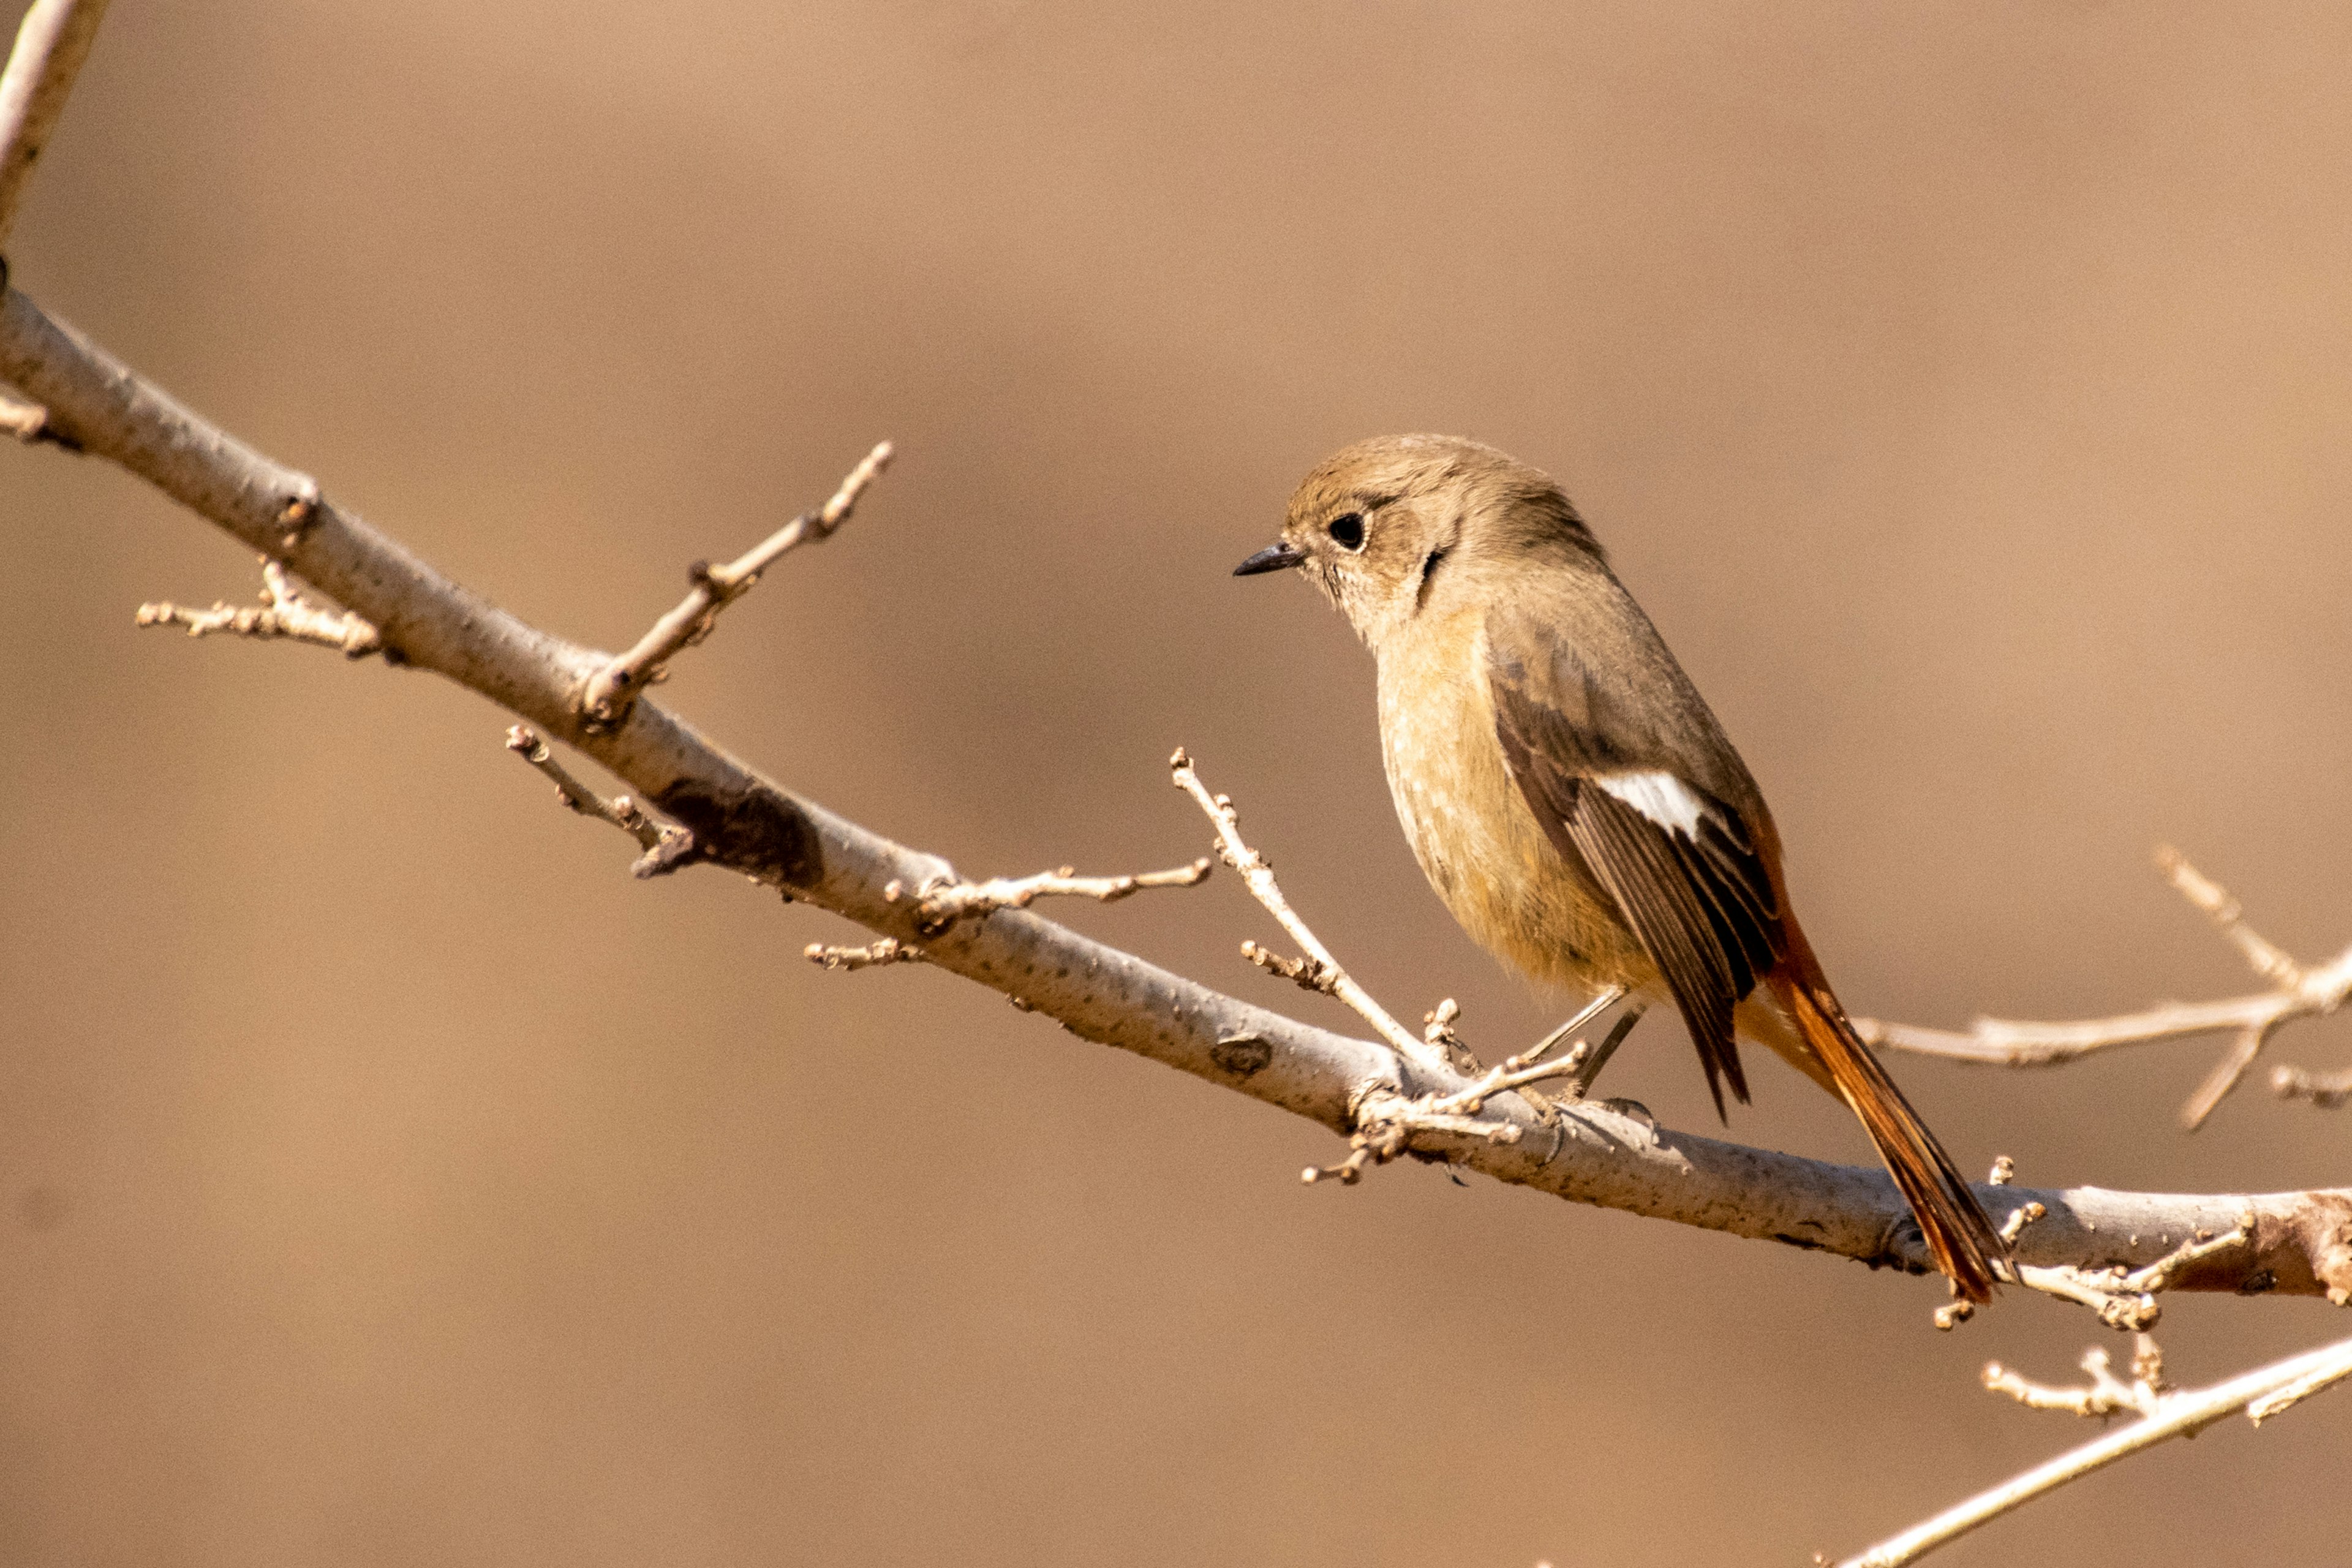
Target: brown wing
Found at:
1695, 892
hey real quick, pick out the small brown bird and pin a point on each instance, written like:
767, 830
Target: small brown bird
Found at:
1569, 793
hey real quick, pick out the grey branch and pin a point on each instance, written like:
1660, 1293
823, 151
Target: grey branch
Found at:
2261, 1393
947, 900
51, 43
1587, 1152
2295, 992
612, 689
282, 613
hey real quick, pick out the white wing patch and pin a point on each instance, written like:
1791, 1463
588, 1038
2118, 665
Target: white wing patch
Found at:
1660, 796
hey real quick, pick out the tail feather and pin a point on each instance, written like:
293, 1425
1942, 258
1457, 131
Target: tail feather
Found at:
1958, 1237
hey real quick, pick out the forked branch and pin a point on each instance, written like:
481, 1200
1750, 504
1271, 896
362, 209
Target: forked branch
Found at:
2291, 1243
2125, 1298
2106, 1395
283, 612
2296, 991
1586, 1151
1583, 1151
2261, 1393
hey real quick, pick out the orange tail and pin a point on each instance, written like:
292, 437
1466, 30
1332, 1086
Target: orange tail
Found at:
1959, 1236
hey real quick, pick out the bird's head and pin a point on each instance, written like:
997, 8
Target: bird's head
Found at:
1387, 526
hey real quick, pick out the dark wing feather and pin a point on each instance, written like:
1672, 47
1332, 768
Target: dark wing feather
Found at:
1702, 906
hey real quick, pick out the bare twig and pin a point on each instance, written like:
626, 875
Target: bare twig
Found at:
2269, 962
661, 842
2261, 1393
2106, 1395
2296, 993
1580, 1064
946, 900
612, 689
1387, 1123
1319, 971
2124, 1299
282, 613
2326, 1091
890, 950
51, 43
1587, 1153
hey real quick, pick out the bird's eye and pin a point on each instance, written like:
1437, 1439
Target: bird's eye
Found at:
1347, 531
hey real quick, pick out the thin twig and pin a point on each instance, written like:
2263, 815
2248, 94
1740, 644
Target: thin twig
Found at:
621, 811
667, 845
1530, 1066
1319, 971
2297, 991
611, 691
2124, 1299
51, 43
2261, 1393
945, 901
2106, 1395
1437, 1032
1387, 1123
2267, 961
282, 613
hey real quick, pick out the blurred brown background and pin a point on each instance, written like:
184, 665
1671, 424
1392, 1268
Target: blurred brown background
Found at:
386, 1178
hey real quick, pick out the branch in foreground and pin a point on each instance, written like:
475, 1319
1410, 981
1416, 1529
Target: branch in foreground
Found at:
282, 613
2296, 993
2262, 1394
1588, 1153
615, 687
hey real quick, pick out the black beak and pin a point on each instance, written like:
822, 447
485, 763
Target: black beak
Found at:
1273, 558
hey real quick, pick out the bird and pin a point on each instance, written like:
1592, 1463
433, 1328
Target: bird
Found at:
1571, 796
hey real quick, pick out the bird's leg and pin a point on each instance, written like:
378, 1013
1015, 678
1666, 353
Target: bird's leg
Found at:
1579, 1082
1609, 998
1520, 1072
